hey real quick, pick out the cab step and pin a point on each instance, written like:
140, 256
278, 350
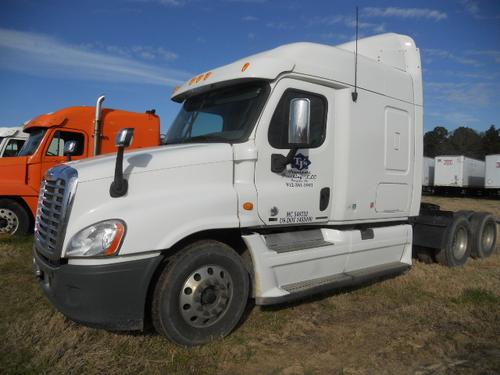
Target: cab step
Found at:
293, 241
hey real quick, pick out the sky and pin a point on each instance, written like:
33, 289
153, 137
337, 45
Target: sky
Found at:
56, 53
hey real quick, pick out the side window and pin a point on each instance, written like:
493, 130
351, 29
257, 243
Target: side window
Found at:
13, 147
56, 147
278, 128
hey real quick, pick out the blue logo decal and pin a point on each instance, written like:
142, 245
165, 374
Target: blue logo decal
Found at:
301, 162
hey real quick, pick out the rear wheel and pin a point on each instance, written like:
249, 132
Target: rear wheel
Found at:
457, 243
201, 294
484, 234
13, 218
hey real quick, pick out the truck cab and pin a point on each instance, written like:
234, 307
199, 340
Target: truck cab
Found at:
11, 141
276, 182
21, 175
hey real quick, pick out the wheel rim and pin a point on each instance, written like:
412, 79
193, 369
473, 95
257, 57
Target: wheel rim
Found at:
488, 236
8, 221
460, 241
205, 296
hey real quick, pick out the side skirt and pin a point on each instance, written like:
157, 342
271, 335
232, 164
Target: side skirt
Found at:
310, 287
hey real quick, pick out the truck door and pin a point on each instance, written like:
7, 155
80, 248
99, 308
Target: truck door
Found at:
300, 194
54, 153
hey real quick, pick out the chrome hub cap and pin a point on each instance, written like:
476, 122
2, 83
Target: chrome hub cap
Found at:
8, 221
488, 236
205, 296
460, 242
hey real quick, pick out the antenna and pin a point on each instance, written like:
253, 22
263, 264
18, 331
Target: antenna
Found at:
355, 93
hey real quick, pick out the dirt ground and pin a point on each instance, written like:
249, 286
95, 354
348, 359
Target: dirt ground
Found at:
431, 320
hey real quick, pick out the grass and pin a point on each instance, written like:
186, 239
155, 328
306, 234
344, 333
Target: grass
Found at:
479, 297
431, 320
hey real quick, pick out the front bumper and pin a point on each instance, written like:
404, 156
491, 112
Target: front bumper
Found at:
109, 296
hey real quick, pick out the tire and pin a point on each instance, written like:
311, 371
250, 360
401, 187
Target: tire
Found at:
484, 234
457, 243
14, 220
201, 294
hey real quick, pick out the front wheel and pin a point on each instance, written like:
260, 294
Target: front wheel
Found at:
14, 220
201, 294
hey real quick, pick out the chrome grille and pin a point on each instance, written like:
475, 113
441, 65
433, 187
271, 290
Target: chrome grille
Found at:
54, 204
48, 217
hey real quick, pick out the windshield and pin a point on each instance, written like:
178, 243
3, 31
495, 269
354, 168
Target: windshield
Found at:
32, 143
223, 115
1, 139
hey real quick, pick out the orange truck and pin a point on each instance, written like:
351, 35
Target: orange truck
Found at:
21, 176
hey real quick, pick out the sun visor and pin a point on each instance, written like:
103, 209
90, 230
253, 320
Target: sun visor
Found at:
253, 67
45, 121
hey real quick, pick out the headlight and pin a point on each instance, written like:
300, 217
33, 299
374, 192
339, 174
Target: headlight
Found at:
100, 239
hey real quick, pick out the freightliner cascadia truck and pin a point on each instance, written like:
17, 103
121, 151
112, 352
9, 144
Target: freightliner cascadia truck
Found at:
282, 176
21, 175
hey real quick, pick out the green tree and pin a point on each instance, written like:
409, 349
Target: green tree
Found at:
435, 142
466, 141
491, 141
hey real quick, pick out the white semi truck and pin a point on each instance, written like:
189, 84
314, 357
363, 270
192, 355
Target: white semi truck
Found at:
492, 174
459, 172
282, 176
11, 140
427, 174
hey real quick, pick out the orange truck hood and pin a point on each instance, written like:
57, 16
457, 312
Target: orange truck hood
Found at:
13, 176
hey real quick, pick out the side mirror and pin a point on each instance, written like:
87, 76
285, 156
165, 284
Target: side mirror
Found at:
125, 137
119, 186
70, 149
299, 121
298, 133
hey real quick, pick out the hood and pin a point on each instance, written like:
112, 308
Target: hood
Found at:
12, 162
13, 175
155, 158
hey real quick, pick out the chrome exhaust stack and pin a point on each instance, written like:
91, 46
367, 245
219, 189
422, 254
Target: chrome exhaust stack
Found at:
98, 125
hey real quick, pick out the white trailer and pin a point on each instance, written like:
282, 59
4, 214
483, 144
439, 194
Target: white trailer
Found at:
428, 172
459, 171
282, 176
492, 177
11, 140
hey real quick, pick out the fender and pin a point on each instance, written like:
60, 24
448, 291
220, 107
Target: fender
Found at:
22, 192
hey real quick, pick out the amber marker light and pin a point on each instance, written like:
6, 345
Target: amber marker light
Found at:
207, 75
248, 206
117, 240
245, 66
